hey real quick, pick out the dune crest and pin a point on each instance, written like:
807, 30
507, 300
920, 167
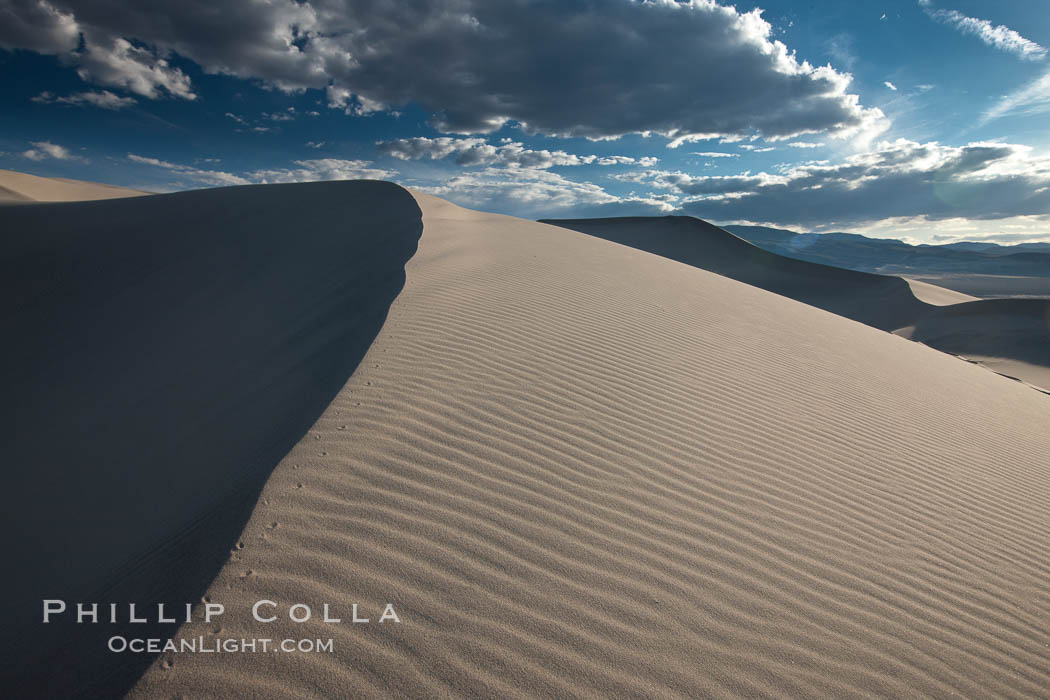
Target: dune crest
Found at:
580, 469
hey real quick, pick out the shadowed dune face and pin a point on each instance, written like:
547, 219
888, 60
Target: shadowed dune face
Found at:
1010, 336
21, 188
579, 470
877, 300
161, 354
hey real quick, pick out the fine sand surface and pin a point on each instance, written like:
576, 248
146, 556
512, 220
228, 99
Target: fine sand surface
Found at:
578, 469
22, 187
1011, 337
575, 468
881, 301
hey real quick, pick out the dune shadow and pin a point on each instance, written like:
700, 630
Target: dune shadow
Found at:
1010, 329
161, 355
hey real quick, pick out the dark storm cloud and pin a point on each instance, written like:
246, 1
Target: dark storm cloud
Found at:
595, 68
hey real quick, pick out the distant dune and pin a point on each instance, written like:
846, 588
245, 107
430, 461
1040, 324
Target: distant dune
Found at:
21, 187
1010, 336
877, 300
990, 286
937, 296
574, 467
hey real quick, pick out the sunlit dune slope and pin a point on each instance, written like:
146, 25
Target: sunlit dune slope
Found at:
877, 300
579, 469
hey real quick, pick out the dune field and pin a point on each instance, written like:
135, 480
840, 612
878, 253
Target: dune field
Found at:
578, 463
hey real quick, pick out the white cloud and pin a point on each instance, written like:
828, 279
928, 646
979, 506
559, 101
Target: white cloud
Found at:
1033, 98
536, 192
287, 115
117, 62
890, 85
715, 154
1008, 231
687, 184
44, 150
305, 171
100, 98
323, 169
471, 63
477, 151
998, 36
805, 144
192, 174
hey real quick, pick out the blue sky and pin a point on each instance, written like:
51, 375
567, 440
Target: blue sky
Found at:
919, 119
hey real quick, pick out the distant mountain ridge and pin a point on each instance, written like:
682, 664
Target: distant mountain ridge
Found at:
890, 256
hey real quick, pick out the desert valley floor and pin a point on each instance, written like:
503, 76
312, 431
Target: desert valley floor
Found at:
601, 458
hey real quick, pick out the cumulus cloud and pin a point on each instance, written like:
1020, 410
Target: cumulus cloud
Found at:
305, 171
100, 98
477, 151
117, 62
598, 69
805, 144
898, 179
44, 150
537, 192
686, 184
890, 85
998, 36
715, 154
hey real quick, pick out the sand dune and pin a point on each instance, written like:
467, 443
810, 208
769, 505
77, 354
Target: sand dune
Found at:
161, 354
575, 468
22, 187
877, 300
935, 295
910, 308
580, 469
1009, 336
992, 285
